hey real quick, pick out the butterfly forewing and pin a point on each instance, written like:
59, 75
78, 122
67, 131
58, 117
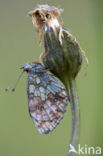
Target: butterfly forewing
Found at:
47, 101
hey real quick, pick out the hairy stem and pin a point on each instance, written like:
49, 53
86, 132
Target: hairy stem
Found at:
72, 91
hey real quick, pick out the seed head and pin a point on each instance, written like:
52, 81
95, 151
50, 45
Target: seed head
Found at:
63, 55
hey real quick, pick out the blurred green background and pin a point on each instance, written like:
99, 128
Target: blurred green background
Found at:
19, 44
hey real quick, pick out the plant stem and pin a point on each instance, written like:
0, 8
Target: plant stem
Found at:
72, 91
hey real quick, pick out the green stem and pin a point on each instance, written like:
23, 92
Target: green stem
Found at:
72, 91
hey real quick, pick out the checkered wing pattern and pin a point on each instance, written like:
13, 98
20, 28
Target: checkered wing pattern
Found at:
47, 101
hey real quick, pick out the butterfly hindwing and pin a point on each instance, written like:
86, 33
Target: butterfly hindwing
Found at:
47, 101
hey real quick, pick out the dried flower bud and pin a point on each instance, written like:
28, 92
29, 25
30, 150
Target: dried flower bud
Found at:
41, 14
64, 59
63, 54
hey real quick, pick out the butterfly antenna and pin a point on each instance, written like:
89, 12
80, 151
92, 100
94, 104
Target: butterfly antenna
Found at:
13, 85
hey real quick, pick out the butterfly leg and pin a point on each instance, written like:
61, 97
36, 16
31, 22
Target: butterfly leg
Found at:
41, 57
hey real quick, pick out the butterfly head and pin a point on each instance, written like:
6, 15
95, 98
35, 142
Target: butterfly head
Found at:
35, 67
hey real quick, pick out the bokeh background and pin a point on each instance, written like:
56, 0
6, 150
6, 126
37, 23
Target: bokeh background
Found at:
19, 44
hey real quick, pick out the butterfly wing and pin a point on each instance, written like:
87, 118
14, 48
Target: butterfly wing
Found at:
47, 101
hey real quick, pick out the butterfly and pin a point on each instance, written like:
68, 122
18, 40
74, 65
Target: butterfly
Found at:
47, 98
